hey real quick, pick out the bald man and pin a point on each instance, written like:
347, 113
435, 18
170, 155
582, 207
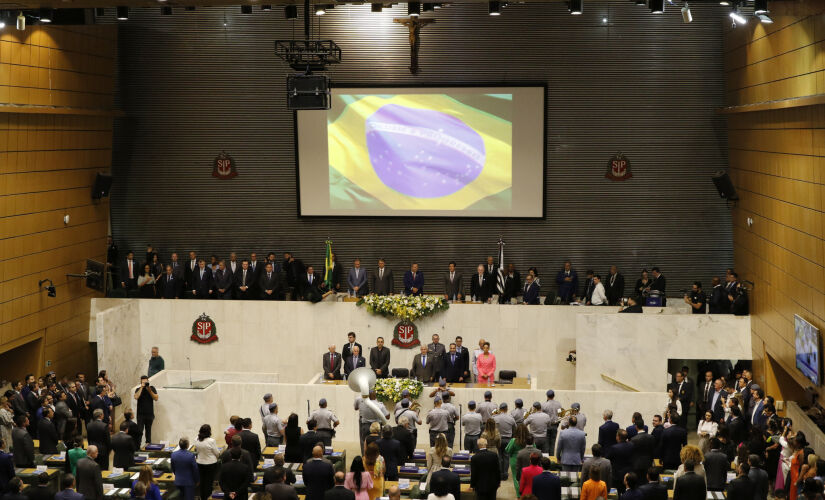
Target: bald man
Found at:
88, 477
332, 364
318, 475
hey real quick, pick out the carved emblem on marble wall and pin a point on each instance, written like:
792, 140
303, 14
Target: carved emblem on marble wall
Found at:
204, 330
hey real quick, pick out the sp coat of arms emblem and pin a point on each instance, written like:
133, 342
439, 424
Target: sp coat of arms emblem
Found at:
224, 166
405, 335
204, 330
618, 168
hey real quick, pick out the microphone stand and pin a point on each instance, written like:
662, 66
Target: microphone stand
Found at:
461, 415
190, 371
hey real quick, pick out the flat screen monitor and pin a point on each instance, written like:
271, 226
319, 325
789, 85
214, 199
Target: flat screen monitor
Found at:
424, 151
807, 349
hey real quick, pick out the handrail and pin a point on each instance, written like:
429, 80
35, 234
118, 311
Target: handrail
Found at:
620, 384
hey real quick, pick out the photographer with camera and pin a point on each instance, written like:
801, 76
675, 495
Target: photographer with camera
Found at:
146, 395
696, 299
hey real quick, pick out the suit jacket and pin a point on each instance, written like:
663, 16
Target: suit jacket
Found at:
758, 419
361, 282
422, 372
319, 476
615, 291
337, 493
281, 491
570, 446
335, 278
306, 443
89, 480
621, 459
740, 488
718, 410
653, 491
448, 478
453, 289
332, 365
390, 449
269, 282
690, 486
251, 443
246, 459
68, 494
410, 283
47, 434
607, 434
259, 268
482, 291
185, 468
673, 438
124, 447
644, 450
382, 285
238, 281
405, 437
685, 395
39, 492
201, 285
223, 280
547, 486
716, 469
97, 433
530, 295
465, 356
512, 286
380, 359
346, 350
310, 291
485, 472
235, 477
169, 288
137, 270
23, 445
349, 366
452, 370
6, 470
761, 483
567, 288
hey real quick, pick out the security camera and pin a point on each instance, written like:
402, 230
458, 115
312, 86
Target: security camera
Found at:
50, 289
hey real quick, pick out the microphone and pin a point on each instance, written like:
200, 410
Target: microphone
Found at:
190, 370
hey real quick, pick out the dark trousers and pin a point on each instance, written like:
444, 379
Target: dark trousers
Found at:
470, 443
434, 434
571, 468
487, 495
450, 434
363, 431
552, 432
144, 423
504, 458
102, 457
186, 492
325, 435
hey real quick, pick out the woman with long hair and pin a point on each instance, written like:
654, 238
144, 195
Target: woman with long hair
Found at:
6, 420
706, 431
437, 453
146, 478
491, 434
786, 451
643, 283
797, 460
375, 465
486, 365
673, 400
207, 459
292, 433
146, 286
358, 479
521, 438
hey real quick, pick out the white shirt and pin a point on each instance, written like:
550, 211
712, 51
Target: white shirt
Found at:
598, 298
208, 452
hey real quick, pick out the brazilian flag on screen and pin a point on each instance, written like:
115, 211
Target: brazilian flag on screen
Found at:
421, 151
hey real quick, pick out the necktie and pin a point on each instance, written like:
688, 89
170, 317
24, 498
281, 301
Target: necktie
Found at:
310, 278
353, 361
131, 273
381, 273
268, 275
201, 273
453, 358
413, 276
423, 360
243, 280
707, 390
480, 279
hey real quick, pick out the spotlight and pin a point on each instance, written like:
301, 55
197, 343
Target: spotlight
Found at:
765, 18
291, 12
428, 7
737, 17
493, 8
687, 16
246, 9
21, 21
266, 8
377, 7
641, 2
320, 10
576, 7
50, 288
657, 6
604, 20
413, 9
2, 23
122, 13
166, 10
724, 2
46, 15
760, 7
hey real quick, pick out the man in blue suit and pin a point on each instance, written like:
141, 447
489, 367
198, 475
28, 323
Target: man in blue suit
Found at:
354, 361
530, 295
67, 491
452, 365
570, 447
568, 282
185, 470
202, 281
547, 486
757, 406
357, 280
6, 467
413, 281
607, 431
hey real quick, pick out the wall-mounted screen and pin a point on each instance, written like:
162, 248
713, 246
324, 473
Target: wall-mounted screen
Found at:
807, 348
424, 151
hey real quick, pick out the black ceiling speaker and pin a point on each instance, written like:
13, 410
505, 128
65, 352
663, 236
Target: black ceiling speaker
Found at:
103, 183
724, 185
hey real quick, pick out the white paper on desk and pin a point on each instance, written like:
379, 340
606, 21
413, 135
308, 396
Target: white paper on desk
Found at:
116, 471
62, 455
299, 478
135, 475
463, 452
269, 462
383, 498
108, 487
164, 443
282, 447
418, 450
326, 448
403, 484
41, 468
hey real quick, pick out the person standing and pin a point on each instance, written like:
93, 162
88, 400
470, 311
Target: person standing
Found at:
207, 459
244, 281
413, 281
547, 486
358, 480
22, 443
319, 476
380, 359
480, 290
67, 491
538, 423
570, 447
453, 289
89, 478
568, 282
718, 303
424, 366
236, 476
608, 430
696, 299
357, 280
486, 365
530, 295
223, 281
129, 274
146, 283
598, 296
382, 283
124, 448
168, 284
201, 285
185, 469
326, 422
614, 286
269, 283
485, 475
156, 363
331, 363
353, 361
658, 284
146, 395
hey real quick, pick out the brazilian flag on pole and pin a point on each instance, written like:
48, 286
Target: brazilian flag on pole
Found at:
328, 266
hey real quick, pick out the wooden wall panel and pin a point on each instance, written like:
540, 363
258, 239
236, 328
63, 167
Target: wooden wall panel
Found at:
49, 165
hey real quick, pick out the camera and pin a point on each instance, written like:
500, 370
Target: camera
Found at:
571, 357
146, 384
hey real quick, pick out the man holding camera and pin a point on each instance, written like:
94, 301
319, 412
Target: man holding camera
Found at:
696, 299
146, 395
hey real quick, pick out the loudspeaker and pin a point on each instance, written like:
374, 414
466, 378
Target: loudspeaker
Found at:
103, 183
725, 186
307, 92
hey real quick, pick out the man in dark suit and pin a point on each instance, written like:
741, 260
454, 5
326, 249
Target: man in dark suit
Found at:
453, 288
357, 282
491, 269
658, 284
331, 364
465, 355
718, 303
189, 269
350, 345
737, 430
185, 469
339, 491
444, 481
309, 285
607, 431
169, 286
759, 478
403, 435
716, 465
390, 449
47, 432
684, 391
97, 433
235, 477
201, 286
308, 440
740, 488
246, 458
644, 450
380, 359
530, 295
568, 281
485, 473
512, 284
250, 441
319, 476
89, 479
690, 486
334, 275
614, 287
413, 281
656, 432
41, 490
653, 490
269, 283
547, 486
673, 438
452, 365
293, 269
223, 281
382, 282
124, 447
621, 459
66, 489
353, 361
480, 285
704, 392
130, 272
716, 403
424, 366
6, 466
244, 281
278, 489
22, 443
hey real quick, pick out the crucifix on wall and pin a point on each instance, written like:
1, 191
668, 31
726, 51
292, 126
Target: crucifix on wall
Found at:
414, 24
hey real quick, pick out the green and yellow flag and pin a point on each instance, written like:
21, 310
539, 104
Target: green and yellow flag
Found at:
328, 266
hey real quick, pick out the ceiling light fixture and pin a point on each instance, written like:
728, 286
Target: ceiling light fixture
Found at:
413, 9
493, 7
576, 7
687, 15
320, 10
21, 21
737, 17
765, 18
724, 2
760, 7
122, 13
291, 12
657, 6
46, 15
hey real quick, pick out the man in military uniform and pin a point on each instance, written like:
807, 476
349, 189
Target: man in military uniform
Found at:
575, 411
436, 349
367, 416
326, 422
405, 394
437, 419
487, 408
412, 417
471, 421
453, 412
506, 424
518, 412
538, 423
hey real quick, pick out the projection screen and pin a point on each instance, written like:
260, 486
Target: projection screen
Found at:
424, 151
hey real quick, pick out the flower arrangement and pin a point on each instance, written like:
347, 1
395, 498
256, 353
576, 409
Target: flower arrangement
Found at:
389, 389
404, 307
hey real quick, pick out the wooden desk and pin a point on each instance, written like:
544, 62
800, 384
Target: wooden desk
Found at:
518, 383
338, 454
166, 477
54, 460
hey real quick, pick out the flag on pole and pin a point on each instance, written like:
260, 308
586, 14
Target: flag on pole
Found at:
328, 266
500, 281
